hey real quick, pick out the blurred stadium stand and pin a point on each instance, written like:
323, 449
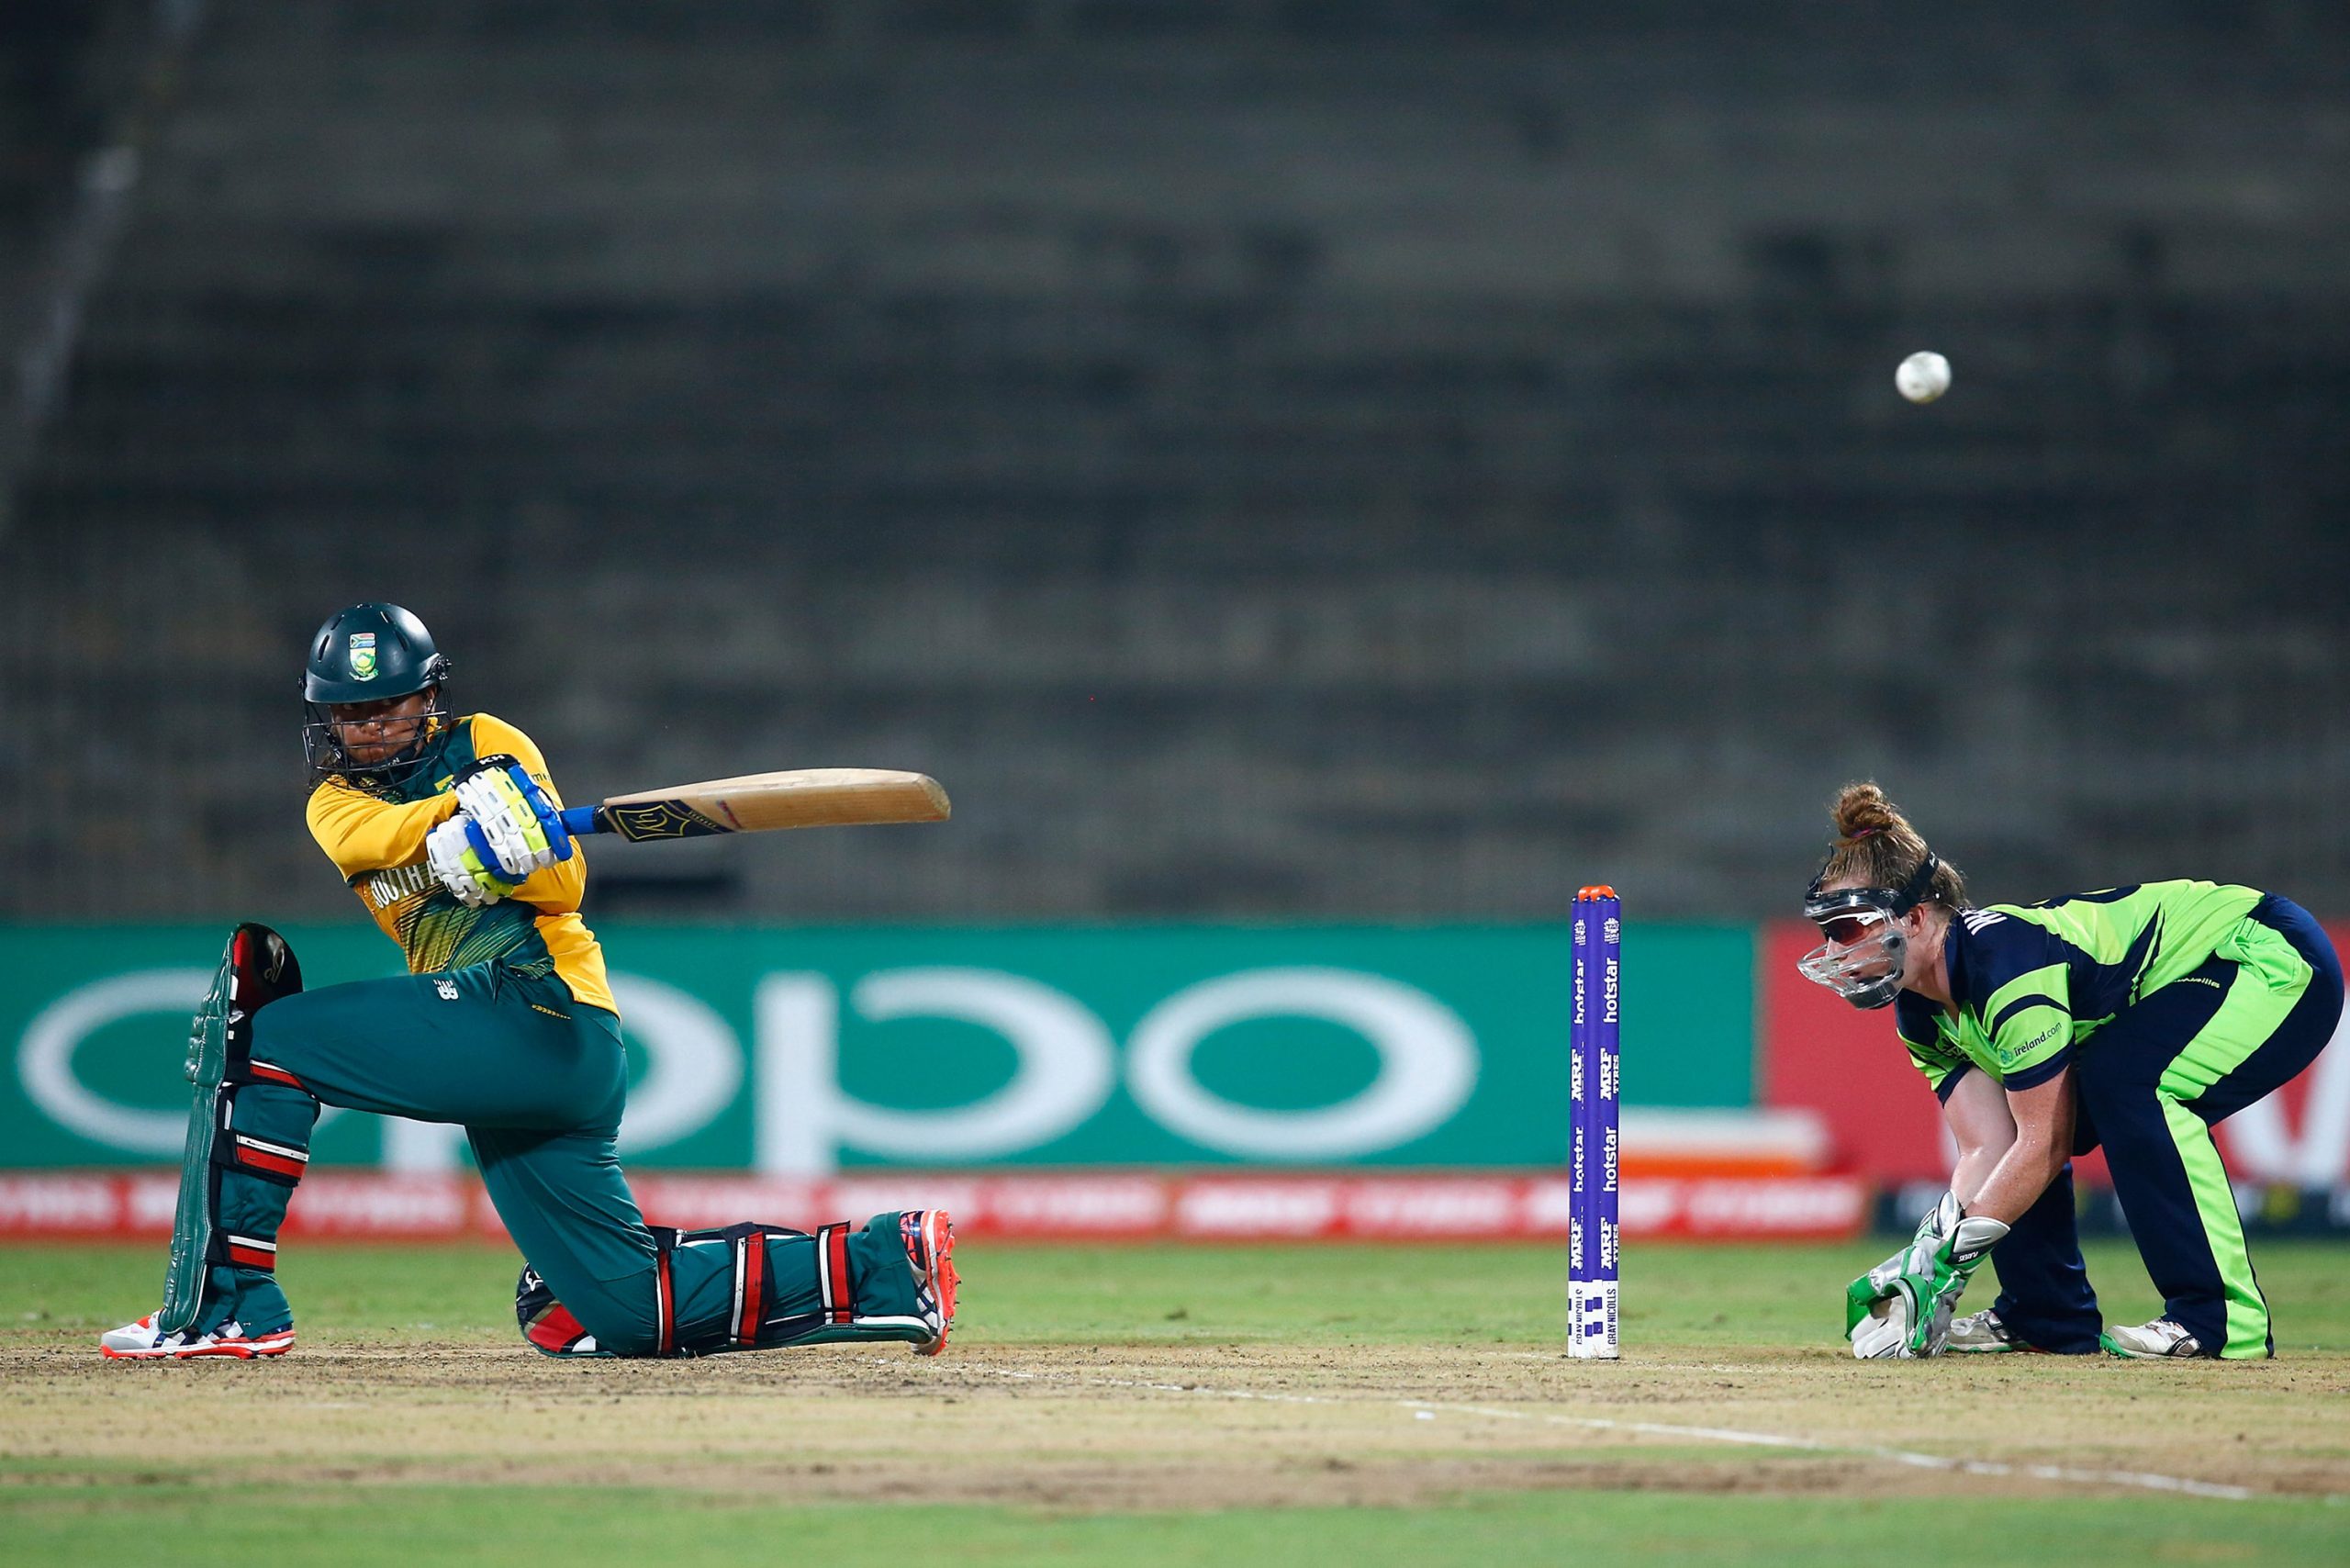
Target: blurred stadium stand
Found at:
60, 68
1323, 459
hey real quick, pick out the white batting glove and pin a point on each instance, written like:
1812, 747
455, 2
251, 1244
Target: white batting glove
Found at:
471, 880
517, 823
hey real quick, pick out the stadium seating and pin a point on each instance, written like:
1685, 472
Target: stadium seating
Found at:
1320, 459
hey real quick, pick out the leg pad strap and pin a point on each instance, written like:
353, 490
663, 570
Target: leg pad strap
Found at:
833, 1292
725, 1277
279, 1159
244, 1251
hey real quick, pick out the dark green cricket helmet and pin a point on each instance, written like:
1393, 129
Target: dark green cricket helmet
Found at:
367, 654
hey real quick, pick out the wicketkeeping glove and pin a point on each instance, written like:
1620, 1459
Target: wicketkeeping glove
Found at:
512, 824
475, 881
1921, 1285
1862, 1294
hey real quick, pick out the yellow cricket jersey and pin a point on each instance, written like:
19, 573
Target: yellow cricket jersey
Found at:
375, 838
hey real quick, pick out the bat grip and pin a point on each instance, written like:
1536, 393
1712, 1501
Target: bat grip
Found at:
579, 821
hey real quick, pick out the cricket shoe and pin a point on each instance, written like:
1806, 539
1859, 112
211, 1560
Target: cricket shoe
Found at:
930, 1249
139, 1343
1982, 1334
2160, 1341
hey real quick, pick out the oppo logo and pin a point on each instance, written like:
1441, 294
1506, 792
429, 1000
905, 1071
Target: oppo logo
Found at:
1066, 1067
45, 1057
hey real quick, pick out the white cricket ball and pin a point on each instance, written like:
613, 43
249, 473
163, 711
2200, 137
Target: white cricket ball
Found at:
1923, 377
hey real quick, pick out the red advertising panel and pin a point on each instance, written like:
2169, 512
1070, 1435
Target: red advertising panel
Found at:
1822, 1054
1447, 1206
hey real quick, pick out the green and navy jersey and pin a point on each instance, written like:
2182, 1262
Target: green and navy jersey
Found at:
376, 837
2029, 983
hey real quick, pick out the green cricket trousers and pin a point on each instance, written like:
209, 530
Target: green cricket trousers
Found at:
2151, 1084
538, 1081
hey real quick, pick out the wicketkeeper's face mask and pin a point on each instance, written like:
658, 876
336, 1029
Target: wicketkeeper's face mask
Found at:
1865, 952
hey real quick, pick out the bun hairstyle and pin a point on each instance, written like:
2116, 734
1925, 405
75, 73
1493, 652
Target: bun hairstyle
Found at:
1876, 847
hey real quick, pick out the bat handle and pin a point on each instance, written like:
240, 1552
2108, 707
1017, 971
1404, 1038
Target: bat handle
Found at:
580, 821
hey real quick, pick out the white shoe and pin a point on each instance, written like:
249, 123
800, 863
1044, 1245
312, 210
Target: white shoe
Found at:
2160, 1341
139, 1343
1982, 1334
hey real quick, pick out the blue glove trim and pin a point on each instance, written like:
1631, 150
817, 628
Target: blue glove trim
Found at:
489, 861
550, 819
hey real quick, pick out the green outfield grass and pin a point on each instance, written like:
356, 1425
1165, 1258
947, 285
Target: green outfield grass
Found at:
1763, 1314
1694, 1296
461, 1527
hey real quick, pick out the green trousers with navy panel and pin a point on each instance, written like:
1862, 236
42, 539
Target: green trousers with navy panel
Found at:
2149, 1086
538, 1081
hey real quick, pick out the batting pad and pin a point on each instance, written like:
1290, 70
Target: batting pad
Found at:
256, 967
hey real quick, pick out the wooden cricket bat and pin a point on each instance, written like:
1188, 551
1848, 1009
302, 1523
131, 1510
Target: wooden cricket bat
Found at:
762, 803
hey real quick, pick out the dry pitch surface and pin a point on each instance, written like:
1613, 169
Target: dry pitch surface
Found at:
1141, 1384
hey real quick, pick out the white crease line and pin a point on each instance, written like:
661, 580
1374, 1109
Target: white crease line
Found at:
2142, 1479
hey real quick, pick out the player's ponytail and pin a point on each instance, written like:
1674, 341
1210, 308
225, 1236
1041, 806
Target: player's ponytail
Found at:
1876, 847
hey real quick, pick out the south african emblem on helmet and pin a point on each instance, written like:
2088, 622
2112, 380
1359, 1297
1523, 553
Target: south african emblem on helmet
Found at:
362, 656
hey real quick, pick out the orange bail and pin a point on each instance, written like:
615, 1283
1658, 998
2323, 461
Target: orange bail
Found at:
1602, 891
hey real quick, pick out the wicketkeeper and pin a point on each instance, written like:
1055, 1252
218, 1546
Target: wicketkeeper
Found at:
446, 828
2133, 1019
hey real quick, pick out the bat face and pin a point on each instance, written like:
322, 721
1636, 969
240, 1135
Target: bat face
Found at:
765, 802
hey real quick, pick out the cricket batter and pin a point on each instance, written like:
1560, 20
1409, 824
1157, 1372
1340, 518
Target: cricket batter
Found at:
2132, 1018
445, 828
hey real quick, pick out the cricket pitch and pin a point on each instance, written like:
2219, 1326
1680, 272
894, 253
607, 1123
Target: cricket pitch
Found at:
1249, 1378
